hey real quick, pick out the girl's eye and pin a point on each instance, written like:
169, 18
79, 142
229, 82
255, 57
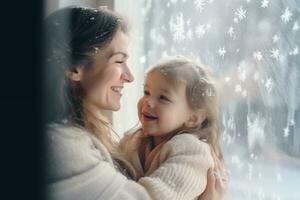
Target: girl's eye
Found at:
164, 98
119, 61
146, 93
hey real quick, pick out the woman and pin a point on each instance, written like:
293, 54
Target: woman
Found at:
87, 52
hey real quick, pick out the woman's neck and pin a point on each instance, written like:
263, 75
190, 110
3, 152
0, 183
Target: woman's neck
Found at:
91, 109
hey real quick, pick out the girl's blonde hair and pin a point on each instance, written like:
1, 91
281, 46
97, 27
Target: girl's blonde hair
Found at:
201, 94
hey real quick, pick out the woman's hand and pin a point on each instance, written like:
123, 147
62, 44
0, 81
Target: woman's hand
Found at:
217, 182
216, 187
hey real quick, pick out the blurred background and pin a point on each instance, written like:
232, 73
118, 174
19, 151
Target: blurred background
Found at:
253, 48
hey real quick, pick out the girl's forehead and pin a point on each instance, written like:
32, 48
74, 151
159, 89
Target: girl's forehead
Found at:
163, 81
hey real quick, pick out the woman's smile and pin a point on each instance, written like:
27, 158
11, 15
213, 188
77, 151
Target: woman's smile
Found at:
117, 89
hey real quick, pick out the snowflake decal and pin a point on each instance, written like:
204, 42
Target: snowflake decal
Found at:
177, 27
222, 52
275, 54
200, 4
264, 3
286, 131
286, 15
200, 31
257, 55
275, 38
238, 88
269, 85
296, 26
189, 34
231, 32
294, 52
239, 14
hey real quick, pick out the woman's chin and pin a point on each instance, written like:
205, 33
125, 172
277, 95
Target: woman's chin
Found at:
115, 107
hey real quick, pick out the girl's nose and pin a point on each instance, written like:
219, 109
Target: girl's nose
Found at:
150, 102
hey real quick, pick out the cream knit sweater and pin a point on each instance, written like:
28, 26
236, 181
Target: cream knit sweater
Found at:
173, 170
80, 168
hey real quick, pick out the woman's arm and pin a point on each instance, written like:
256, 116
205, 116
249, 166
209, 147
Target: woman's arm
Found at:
215, 188
217, 181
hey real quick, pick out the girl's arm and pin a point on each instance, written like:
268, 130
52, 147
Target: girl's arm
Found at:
182, 174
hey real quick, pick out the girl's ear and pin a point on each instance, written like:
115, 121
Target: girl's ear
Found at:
196, 117
75, 74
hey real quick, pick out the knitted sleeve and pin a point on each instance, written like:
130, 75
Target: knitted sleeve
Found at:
182, 175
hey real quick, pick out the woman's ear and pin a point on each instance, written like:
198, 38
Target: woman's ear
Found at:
195, 118
75, 74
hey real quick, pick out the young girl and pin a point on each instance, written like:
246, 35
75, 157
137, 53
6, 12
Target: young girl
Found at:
179, 117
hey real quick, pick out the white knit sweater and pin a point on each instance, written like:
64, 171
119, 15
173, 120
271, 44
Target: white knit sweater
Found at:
80, 168
174, 170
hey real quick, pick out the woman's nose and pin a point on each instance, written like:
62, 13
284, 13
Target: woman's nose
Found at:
127, 75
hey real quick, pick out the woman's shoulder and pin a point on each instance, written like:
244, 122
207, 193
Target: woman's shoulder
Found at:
65, 130
70, 150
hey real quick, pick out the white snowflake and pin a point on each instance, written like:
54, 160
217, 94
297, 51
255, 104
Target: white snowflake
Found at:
291, 122
210, 1
296, 26
295, 51
269, 85
286, 131
156, 37
257, 55
207, 26
200, 4
264, 3
177, 27
275, 38
235, 20
222, 52
275, 54
189, 34
240, 13
143, 59
256, 76
188, 22
231, 32
244, 93
238, 88
248, 1
286, 15
227, 79
278, 178
200, 30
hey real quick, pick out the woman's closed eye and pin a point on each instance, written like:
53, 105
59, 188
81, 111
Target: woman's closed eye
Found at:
119, 61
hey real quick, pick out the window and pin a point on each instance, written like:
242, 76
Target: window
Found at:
253, 49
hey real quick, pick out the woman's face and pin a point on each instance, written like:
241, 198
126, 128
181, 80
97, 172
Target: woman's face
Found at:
104, 80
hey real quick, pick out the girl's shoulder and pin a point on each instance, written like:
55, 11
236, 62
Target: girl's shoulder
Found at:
188, 144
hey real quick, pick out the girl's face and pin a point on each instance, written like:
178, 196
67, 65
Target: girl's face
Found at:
164, 107
104, 80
